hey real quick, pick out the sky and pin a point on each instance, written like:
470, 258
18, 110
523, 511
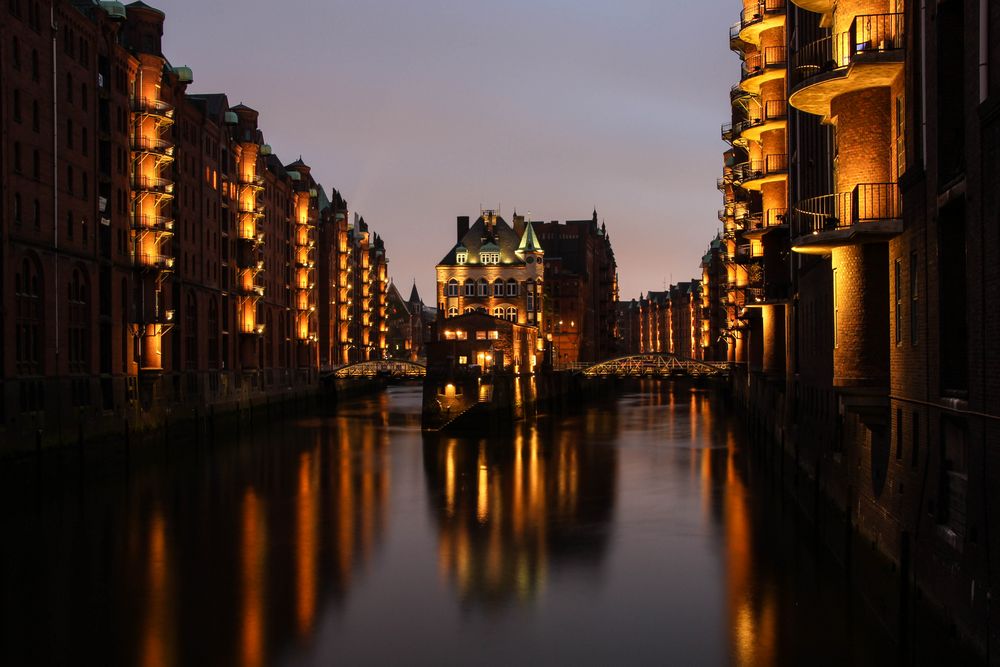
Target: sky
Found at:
419, 111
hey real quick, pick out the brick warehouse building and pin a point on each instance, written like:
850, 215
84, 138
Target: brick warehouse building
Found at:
154, 251
860, 252
581, 289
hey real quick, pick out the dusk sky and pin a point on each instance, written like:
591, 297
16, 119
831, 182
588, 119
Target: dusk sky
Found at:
422, 111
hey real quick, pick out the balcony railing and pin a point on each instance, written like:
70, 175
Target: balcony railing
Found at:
866, 203
153, 184
775, 217
770, 57
869, 36
154, 261
147, 105
152, 145
760, 12
152, 223
757, 169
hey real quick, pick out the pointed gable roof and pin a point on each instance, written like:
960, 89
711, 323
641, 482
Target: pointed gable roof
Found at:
479, 238
529, 242
414, 297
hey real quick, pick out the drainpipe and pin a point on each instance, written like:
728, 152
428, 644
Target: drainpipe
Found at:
984, 51
55, 175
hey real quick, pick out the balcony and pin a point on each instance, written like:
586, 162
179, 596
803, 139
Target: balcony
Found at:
161, 187
762, 293
738, 96
869, 55
759, 224
153, 146
158, 109
754, 174
869, 213
763, 66
154, 261
818, 6
766, 15
153, 223
774, 117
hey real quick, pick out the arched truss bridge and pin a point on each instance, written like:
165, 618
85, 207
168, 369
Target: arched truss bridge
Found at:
381, 368
655, 365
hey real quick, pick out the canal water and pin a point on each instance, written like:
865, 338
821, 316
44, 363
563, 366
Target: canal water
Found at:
633, 532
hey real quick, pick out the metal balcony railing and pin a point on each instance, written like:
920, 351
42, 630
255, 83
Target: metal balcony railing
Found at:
760, 12
154, 261
149, 106
776, 163
775, 217
153, 145
153, 223
153, 184
870, 35
866, 203
756, 63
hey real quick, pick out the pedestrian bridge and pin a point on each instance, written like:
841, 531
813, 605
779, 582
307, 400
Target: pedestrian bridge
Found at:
381, 368
655, 365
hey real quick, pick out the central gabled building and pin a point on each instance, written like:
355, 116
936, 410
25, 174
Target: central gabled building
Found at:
494, 269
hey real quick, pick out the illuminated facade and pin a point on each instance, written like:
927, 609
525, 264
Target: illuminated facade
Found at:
494, 269
162, 254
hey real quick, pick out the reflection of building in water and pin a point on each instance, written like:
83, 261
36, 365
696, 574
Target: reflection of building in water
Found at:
507, 512
288, 543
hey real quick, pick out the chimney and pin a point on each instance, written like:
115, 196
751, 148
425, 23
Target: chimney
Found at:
519, 225
463, 227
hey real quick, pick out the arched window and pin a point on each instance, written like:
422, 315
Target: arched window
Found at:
452, 287
498, 287
470, 287
453, 312
469, 309
79, 347
511, 287
191, 332
512, 314
484, 287
498, 312
29, 332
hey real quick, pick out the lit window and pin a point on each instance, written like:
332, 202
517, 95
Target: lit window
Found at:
453, 312
461, 257
531, 302
498, 312
512, 314
462, 335
469, 309
452, 287
494, 335
463, 360
480, 335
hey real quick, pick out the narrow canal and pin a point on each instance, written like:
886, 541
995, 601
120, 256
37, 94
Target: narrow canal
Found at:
634, 532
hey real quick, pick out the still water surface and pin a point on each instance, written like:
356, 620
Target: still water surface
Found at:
633, 532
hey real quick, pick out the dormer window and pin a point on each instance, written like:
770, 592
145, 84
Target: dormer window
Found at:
489, 257
461, 256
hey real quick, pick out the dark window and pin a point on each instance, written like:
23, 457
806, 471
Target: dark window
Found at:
28, 293
913, 298
35, 123
35, 164
915, 440
15, 53
899, 434
17, 208
34, 65
36, 214
83, 141
954, 352
898, 288
79, 349
69, 224
950, 89
16, 99
69, 178
69, 132
17, 156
